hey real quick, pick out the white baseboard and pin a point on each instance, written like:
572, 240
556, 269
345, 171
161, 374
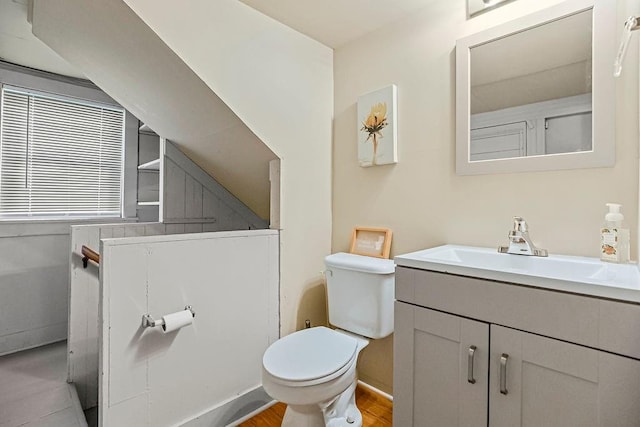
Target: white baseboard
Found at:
32, 338
233, 411
252, 414
375, 390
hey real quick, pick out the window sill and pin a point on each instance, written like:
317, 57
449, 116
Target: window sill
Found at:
51, 227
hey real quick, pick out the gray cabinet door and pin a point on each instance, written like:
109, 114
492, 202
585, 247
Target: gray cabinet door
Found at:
538, 381
498, 142
433, 380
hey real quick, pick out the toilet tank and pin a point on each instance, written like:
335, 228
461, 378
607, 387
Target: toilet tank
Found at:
360, 293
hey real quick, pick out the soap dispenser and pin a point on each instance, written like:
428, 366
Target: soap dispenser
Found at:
614, 239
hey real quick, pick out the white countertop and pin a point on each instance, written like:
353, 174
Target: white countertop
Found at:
580, 275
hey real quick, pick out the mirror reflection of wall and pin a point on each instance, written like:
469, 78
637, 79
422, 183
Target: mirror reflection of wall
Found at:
530, 92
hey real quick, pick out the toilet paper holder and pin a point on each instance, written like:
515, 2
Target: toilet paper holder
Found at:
150, 322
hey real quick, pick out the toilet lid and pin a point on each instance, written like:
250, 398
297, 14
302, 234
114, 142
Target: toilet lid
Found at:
309, 354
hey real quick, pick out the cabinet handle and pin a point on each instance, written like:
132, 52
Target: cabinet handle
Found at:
503, 373
472, 353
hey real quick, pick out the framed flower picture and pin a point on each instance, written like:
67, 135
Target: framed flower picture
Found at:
377, 129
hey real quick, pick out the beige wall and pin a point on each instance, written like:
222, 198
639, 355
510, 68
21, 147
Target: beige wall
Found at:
280, 83
421, 198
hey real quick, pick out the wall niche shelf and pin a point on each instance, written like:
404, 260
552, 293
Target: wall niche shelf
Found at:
153, 165
148, 174
146, 129
173, 189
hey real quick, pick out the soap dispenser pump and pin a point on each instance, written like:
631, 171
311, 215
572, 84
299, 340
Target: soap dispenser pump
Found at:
614, 239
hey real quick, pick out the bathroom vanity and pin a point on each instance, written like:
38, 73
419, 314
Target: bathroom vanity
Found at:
489, 339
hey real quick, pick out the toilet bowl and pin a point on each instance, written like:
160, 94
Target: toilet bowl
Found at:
314, 372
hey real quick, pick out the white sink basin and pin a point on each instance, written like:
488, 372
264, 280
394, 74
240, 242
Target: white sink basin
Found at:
581, 275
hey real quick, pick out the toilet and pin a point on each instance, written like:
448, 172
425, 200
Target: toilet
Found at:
313, 370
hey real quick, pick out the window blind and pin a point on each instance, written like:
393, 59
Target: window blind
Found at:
59, 156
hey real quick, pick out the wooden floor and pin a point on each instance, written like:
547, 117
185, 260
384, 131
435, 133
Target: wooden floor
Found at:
376, 411
34, 391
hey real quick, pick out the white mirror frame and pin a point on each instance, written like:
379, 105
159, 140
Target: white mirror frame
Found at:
603, 93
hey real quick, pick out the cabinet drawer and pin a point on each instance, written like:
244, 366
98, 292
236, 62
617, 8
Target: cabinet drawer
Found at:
554, 314
612, 326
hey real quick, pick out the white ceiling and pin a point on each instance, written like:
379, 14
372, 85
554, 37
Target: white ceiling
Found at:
19, 46
331, 22
336, 22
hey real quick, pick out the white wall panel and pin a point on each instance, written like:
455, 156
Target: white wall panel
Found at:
83, 293
231, 280
193, 228
33, 291
83, 300
84, 289
128, 377
177, 228
193, 198
174, 199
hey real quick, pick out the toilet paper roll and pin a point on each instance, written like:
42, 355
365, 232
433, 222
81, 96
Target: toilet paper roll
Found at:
175, 321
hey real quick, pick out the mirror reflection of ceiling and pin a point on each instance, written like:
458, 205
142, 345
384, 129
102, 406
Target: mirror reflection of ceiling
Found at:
18, 45
547, 62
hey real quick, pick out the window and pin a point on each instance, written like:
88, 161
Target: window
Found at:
59, 157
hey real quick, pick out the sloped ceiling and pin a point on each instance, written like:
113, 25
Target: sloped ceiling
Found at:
336, 22
18, 45
116, 50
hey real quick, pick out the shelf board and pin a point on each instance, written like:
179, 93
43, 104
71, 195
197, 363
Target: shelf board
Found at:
146, 129
153, 165
154, 203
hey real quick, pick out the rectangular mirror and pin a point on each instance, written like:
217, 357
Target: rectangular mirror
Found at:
537, 93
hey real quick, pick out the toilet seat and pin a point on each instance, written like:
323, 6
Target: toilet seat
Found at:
308, 357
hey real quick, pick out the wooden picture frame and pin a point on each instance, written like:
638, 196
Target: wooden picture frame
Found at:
371, 241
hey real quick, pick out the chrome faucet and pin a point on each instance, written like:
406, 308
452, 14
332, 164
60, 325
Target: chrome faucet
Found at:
519, 241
